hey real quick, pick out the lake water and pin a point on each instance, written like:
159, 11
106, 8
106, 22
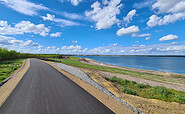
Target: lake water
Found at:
168, 64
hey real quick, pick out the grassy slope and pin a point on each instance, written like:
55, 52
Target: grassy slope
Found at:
73, 61
8, 67
147, 91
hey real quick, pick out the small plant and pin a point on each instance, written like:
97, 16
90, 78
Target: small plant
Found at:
128, 91
113, 79
142, 86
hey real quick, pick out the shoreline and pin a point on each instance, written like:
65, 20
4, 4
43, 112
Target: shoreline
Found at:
165, 79
155, 72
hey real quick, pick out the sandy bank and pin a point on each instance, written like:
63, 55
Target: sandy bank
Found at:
171, 85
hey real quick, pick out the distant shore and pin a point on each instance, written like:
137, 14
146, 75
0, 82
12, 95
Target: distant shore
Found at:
94, 62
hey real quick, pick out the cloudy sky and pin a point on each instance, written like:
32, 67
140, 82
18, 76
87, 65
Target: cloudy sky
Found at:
121, 27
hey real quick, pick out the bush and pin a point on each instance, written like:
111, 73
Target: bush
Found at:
113, 79
142, 86
180, 98
128, 91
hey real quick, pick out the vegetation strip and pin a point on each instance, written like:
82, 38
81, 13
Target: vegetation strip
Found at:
74, 61
147, 91
8, 87
7, 68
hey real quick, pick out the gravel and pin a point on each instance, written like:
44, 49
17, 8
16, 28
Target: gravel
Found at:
77, 72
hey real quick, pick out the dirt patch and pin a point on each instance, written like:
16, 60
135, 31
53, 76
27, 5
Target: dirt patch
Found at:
108, 101
142, 104
9, 86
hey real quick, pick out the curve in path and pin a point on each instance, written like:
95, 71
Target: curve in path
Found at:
44, 90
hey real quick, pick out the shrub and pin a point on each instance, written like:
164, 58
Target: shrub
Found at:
113, 79
180, 98
128, 91
142, 86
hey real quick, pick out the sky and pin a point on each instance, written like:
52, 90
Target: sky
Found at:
106, 27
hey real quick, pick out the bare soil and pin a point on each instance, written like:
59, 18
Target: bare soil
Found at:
148, 106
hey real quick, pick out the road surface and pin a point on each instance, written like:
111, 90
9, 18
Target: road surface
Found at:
44, 90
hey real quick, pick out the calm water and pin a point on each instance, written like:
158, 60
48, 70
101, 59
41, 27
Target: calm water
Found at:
168, 64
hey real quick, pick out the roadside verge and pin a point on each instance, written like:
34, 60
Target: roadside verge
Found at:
7, 88
107, 100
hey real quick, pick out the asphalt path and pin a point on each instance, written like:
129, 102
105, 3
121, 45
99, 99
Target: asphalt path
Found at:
44, 90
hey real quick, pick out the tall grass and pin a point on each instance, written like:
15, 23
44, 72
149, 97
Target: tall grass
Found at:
8, 67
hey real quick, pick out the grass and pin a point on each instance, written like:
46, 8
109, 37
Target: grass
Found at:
8, 67
147, 91
73, 61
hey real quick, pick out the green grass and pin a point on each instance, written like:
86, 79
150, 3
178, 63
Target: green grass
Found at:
73, 61
8, 67
147, 91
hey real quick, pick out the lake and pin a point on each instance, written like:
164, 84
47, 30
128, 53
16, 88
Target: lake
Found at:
168, 64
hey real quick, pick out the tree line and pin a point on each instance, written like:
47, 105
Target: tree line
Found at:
5, 54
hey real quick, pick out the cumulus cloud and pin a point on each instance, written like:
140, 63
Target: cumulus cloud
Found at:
105, 15
174, 10
7, 41
154, 20
141, 35
24, 6
73, 2
129, 30
30, 43
158, 49
48, 17
62, 22
129, 16
57, 34
23, 27
72, 47
169, 37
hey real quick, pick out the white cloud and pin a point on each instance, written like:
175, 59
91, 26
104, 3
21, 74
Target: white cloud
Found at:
74, 42
174, 43
73, 2
72, 47
72, 16
146, 3
170, 6
12, 42
24, 6
129, 30
154, 20
62, 22
105, 15
169, 37
174, 10
30, 43
3, 23
147, 38
158, 49
24, 27
48, 17
129, 16
141, 35
57, 34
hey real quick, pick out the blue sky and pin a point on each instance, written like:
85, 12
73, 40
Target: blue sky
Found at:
124, 27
